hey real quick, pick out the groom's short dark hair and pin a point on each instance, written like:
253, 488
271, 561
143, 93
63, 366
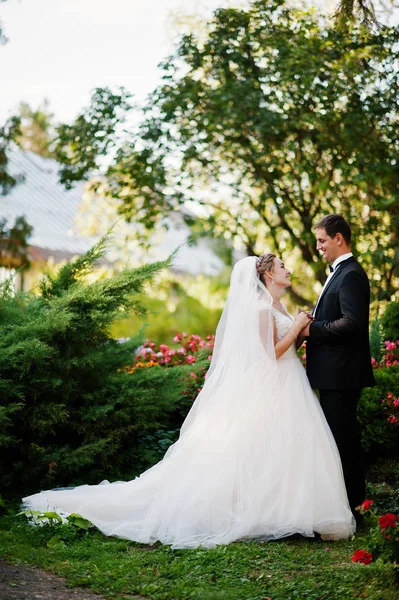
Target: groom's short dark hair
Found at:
334, 224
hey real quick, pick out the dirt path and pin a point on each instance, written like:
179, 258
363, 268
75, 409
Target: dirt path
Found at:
18, 582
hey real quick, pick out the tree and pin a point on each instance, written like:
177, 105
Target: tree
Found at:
273, 120
69, 409
349, 11
14, 244
3, 38
8, 132
36, 129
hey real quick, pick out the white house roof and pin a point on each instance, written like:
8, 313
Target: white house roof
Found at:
46, 205
51, 210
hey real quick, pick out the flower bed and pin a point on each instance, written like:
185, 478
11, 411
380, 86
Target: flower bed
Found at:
382, 541
187, 349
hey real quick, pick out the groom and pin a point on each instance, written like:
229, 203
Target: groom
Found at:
338, 350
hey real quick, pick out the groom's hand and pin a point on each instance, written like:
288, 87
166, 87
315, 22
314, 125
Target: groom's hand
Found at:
306, 330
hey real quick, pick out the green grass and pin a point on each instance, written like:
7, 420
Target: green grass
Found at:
292, 569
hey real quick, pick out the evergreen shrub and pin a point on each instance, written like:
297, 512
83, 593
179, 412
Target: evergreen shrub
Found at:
69, 411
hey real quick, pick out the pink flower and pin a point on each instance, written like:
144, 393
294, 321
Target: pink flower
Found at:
210, 357
184, 334
193, 375
390, 345
190, 359
374, 362
395, 403
145, 351
177, 338
164, 348
393, 419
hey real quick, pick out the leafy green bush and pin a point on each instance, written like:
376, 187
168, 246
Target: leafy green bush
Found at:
190, 359
69, 411
379, 436
376, 340
390, 321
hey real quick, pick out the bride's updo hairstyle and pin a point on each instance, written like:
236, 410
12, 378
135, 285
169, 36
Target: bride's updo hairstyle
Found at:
264, 264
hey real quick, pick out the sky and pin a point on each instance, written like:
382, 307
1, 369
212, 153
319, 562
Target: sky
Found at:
62, 49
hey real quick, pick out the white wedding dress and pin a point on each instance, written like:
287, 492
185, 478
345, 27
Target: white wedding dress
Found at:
255, 458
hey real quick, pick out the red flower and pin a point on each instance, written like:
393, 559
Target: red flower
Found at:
362, 556
365, 506
388, 520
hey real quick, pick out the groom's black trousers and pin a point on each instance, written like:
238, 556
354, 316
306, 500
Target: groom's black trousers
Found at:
340, 409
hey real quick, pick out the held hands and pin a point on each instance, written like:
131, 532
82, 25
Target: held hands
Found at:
302, 322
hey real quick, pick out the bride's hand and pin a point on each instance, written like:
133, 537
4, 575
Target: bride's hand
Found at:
301, 320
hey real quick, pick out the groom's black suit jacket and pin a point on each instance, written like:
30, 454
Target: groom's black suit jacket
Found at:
338, 349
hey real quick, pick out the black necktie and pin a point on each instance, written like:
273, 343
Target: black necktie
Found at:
331, 269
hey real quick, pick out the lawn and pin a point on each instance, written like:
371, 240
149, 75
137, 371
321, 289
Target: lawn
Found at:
292, 569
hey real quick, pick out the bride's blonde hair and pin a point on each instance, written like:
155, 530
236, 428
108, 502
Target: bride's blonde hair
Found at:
264, 264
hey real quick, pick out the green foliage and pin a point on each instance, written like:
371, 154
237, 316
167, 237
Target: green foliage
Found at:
379, 437
98, 123
69, 412
8, 133
14, 243
36, 129
271, 120
350, 11
390, 321
291, 569
385, 497
376, 340
187, 313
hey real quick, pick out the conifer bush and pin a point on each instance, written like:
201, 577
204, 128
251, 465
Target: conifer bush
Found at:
69, 411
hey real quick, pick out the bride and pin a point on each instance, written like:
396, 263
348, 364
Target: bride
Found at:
255, 458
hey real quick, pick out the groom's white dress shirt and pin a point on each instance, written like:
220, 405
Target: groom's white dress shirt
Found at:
333, 270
